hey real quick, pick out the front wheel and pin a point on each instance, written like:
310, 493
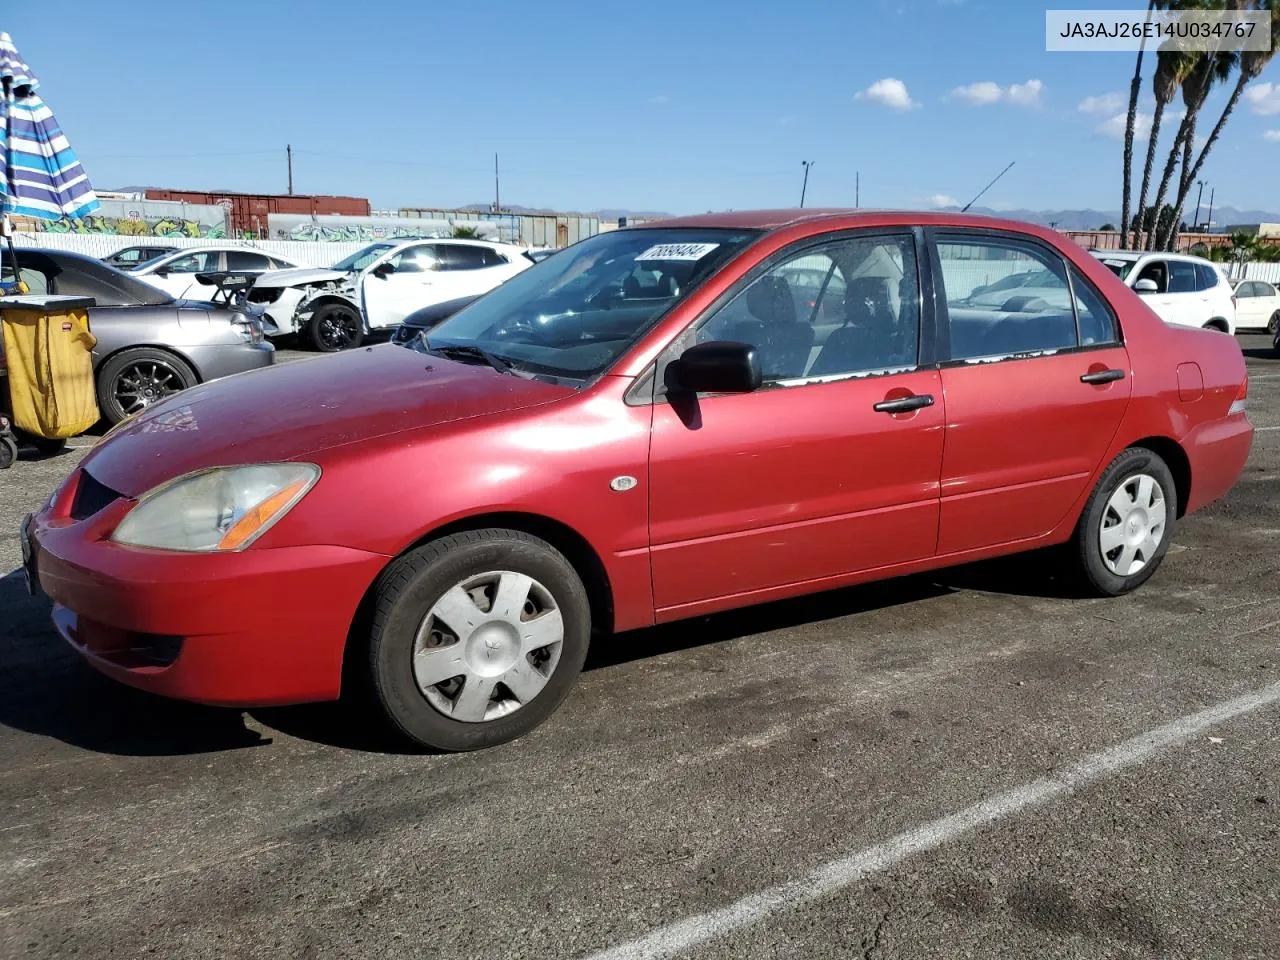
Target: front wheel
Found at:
1128, 523
335, 327
477, 638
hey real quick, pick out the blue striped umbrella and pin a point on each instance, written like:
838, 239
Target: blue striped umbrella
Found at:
42, 178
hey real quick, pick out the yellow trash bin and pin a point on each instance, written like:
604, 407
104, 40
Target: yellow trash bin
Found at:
48, 351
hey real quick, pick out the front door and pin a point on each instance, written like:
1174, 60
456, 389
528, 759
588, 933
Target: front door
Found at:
832, 466
1036, 386
408, 280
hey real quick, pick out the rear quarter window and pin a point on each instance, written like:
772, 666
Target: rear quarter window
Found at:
1206, 277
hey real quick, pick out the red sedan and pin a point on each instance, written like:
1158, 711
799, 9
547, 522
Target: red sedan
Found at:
659, 422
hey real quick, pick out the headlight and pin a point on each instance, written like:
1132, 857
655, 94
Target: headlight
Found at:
225, 508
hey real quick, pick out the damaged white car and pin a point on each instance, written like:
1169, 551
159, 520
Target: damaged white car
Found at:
378, 286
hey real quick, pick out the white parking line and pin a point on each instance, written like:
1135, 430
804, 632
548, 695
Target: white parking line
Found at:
680, 936
1264, 429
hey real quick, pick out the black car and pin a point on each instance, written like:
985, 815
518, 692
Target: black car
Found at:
131, 257
426, 318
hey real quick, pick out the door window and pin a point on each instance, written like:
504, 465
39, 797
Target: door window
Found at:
247, 260
458, 256
1095, 319
1261, 289
1012, 299
1158, 273
415, 260
1182, 277
1206, 276
846, 307
203, 262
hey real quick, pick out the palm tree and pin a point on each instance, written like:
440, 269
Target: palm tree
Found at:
1172, 67
1210, 68
1252, 63
1135, 86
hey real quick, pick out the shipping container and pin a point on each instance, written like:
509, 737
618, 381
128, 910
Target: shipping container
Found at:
247, 212
537, 229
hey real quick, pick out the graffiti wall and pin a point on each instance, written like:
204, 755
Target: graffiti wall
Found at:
334, 228
145, 218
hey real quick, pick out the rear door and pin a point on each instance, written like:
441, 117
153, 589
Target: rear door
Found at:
473, 269
1035, 385
1251, 309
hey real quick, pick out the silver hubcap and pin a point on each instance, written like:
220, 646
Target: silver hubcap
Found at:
1132, 525
488, 646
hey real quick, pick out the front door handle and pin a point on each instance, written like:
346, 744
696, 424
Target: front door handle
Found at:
1102, 376
904, 404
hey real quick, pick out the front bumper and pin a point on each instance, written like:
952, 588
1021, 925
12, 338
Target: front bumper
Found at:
257, 628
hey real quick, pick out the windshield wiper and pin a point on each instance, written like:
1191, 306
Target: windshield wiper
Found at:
457, 351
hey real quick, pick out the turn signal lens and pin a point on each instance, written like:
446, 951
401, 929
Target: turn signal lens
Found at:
257, 518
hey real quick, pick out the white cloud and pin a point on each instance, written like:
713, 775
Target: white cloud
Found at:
1272, 135
985, 92
1103, 103
979, 94
943, 200
889, 92
1114, 127
1025, 94
1263, 98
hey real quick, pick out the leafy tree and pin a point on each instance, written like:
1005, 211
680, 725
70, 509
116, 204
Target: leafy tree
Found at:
1108, 227
463, 232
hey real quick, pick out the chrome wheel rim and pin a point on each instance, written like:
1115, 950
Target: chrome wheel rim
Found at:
338, 329
488, 646
1133, 525
143, 383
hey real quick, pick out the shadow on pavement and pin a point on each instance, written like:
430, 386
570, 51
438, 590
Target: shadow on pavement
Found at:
45, 689
1261, 353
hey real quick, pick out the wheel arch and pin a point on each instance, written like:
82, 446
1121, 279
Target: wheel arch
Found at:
162, 347
1171, 452
1218, 323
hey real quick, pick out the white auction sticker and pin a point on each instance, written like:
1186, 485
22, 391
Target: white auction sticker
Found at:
678, 251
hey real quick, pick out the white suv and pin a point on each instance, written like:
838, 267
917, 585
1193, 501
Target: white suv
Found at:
1189, 291
378, 286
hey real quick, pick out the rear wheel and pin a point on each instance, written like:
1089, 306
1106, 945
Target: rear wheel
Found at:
477, 638
135, 379
1128, 523
8, 452
1273, 325
334, 327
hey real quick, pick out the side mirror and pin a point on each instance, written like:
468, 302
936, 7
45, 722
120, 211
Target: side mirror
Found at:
384, 270
1145, 286
161, 272
720, 366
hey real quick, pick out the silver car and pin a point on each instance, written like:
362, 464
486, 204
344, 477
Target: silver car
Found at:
149, 345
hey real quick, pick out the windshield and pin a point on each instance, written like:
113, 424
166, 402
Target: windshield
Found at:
574, 314
1117, 266
363, 257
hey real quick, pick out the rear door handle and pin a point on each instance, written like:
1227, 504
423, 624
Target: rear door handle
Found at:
1102, 376
904, 404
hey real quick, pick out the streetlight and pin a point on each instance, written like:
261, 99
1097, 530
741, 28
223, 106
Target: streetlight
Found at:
804, 186
1196, 222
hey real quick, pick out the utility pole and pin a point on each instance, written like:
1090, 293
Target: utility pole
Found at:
288, 152
1208, 221
1195, 224
805, 186
857, 189
497, 202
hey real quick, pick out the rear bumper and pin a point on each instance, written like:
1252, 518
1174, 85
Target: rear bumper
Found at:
258, 628
1217, 451
222, 360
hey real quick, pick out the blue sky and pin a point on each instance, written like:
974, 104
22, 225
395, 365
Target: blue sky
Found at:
676, 106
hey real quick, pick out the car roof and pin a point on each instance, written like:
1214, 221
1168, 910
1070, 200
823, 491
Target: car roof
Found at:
1139, 254
788, 217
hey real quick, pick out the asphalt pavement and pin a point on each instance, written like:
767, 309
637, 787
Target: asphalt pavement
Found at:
967, 764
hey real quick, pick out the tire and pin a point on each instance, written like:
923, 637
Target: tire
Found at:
335, 327
8, 452
1113, 572
134, 379
516, 681
1273, 325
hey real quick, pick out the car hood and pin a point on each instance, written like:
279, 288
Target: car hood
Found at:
298, 409
296, 275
